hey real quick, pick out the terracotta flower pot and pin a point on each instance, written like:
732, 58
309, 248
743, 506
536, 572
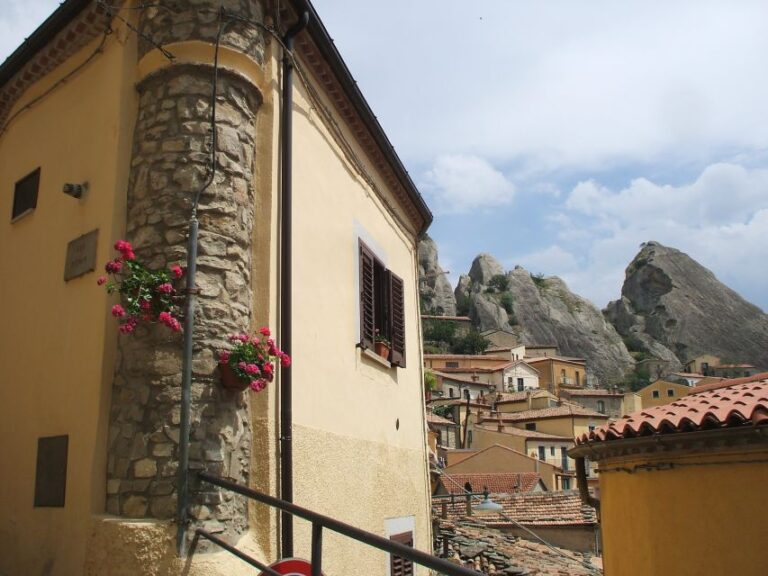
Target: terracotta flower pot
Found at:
230, 380
382, 349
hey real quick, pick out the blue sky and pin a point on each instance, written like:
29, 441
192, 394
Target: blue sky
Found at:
559, 135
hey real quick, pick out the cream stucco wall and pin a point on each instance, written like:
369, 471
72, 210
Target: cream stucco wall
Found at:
359, 429
57, 341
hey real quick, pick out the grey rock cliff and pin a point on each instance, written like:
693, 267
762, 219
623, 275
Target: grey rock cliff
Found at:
677, 310
544, 311
434, 289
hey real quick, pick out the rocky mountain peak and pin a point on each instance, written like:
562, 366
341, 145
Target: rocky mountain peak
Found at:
435, 290
484, 267
674, 308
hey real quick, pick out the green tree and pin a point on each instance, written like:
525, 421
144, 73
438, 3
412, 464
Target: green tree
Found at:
440, 331
500, 283
471, 343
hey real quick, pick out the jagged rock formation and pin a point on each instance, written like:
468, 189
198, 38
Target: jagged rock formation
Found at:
543, 311
675, 309
435, 291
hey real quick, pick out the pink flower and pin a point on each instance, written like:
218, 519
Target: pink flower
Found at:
265, 332
164, 317
242, 365
285, 360
129, 255
177, 271
129, 326
145, 304
273, 351
252, 369
175, 325
118, 311
258, 385
165, 288
224, 356
114, 266
101, 280
123, 246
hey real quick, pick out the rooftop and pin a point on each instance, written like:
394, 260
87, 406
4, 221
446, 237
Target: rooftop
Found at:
433, 418
733, 406
705, 384
537, 359
591, 392
497, 483
554, 412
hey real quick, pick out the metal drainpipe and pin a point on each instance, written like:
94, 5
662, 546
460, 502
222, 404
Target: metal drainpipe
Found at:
286, 285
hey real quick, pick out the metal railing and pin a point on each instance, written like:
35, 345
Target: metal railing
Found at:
320, 522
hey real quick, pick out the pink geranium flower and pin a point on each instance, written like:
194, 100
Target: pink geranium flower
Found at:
165, 288
101, 280
177, 271
118, 311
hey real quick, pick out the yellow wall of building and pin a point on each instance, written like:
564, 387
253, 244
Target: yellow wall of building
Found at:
686, 521
566, 426
554, 373
58, 339
662, 387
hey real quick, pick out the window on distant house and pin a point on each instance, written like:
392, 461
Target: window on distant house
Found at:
469, 439
564, 458
551, 450
466, 393
601, 406
400, 566
520, 384
451, 364
566, 483
530, 426
670, 392
591, 427
655, 394
578, 378
542, 453
382, 306
25, 194
450, 392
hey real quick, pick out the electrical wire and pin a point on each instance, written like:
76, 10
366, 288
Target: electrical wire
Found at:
214, 93
135, 30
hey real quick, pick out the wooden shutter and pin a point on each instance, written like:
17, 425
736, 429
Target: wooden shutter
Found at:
400, 566
397, 319
367, 308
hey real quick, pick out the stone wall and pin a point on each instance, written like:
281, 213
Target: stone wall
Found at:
170, 162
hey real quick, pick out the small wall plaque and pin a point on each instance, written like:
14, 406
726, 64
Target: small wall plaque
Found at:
81, 255
51, 474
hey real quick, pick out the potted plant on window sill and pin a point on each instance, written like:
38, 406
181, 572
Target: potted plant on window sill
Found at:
250, 362
381, 345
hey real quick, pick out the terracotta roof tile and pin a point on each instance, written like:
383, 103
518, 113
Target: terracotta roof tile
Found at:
724, 407
433, 418
562, 508
704, 386
497, 483
554, 412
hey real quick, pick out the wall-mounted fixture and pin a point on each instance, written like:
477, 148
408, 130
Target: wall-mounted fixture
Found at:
75, 190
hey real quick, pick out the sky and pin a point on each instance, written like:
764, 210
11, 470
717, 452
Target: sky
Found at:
561, 134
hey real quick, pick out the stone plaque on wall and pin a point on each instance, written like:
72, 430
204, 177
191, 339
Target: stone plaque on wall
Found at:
81, 255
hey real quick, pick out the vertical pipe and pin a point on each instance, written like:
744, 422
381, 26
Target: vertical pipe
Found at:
317, 549
186, 386
286, 285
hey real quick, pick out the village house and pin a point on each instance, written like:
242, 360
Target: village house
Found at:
734, 370
496, 483
661, 392
613, 403
702, 364
457, 386
699, 463
501, 339
476, 368
308, 224
556, 372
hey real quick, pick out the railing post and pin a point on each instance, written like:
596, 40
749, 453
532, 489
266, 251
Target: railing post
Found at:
469, 505
444, 510
317, 548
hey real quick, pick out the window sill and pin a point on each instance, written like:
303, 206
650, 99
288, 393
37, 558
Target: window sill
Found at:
373, 357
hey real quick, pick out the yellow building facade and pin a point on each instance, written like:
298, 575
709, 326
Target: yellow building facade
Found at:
662, 392
679, 486
555, 372
86, 100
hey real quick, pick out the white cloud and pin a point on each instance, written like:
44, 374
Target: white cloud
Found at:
459, 183
720, 220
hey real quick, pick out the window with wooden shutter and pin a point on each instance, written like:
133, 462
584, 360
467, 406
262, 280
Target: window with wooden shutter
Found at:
382, 306
367, 297
400, 566
25, 194
397, 312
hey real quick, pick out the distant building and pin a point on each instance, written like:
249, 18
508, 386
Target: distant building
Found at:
702, 364
734, 370
662, 392
556, 372
612, 403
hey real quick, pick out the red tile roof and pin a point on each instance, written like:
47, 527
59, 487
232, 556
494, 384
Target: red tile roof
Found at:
497, 483
590, 392
554, 412
462, 357
520, 396
462, 380
730, 407
512, 431
539, 359
433, 418
562, 508
730, 382
732, 366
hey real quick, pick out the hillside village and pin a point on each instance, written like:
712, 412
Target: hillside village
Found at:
229, 347
508, 421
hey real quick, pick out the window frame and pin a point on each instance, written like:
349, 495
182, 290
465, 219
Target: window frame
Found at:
399, 566
382, 305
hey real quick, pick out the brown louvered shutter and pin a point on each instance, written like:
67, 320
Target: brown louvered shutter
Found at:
400, 566
367, 309
397, 319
